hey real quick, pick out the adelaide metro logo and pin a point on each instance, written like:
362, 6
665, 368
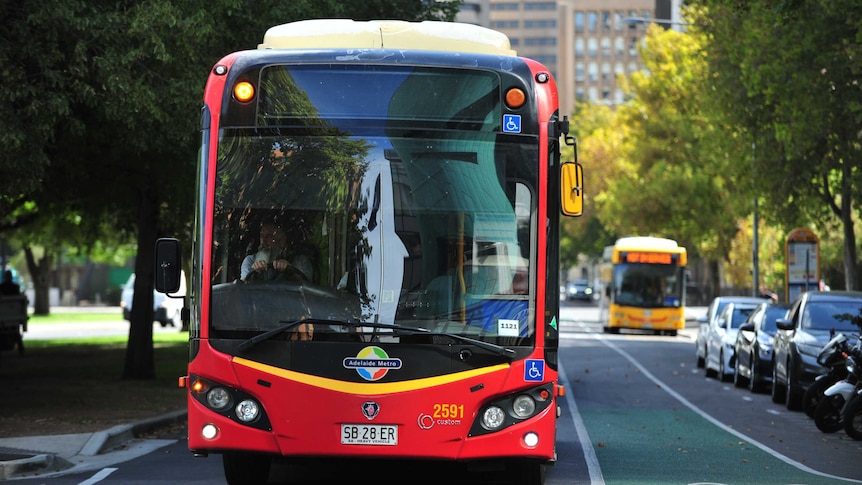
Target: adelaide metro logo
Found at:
372, 363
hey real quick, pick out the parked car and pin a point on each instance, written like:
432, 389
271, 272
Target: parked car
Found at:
166, 310
812, 320
721, 339
754, 347
712, 311
579, 290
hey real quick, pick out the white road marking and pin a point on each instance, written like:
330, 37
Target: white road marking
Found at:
98, 477
590, 457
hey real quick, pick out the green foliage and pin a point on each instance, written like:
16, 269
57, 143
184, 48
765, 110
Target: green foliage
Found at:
788, 74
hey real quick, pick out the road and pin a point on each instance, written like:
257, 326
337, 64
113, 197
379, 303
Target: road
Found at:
636, 411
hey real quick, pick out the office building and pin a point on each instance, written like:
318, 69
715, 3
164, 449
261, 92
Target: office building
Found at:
586, 44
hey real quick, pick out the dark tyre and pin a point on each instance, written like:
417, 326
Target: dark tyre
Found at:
814, 394
755, 382
778, 389
723, 375
246, 468
827, 414
701, 362
853, 417
793, 401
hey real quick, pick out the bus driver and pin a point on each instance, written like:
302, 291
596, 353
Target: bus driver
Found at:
270, 260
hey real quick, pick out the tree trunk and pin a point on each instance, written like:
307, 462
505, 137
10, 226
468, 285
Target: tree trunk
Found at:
140, 363
40, 271
849, 233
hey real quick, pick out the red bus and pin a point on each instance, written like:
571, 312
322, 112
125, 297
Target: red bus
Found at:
375, 264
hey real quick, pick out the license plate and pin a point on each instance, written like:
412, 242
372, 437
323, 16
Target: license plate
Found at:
369, 434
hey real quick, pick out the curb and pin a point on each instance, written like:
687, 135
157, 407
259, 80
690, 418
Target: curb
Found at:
99, 443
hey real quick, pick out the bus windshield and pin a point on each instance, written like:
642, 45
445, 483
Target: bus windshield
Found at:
648, 285
426, 230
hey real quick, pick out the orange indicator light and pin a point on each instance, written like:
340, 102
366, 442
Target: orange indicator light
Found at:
243, 91
515, 98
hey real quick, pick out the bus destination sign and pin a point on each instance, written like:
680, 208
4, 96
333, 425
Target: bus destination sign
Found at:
648, 258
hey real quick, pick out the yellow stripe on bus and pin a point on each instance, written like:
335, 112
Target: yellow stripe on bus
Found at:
368, 388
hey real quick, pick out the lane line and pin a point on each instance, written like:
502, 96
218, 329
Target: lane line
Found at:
590, 457
714, 421
98, 477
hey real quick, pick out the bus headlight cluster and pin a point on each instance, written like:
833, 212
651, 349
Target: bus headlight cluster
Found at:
247, 410
227, 401
523, 406
493, 418
512, 409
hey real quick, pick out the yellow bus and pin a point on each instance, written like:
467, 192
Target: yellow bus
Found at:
643, 285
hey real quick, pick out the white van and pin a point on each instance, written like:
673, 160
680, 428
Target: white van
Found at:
167, 311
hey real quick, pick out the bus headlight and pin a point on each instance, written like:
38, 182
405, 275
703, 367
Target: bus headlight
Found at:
493, 418
247, 410
523, 406
218, 398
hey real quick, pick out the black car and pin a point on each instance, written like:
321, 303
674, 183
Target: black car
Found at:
812, 320
579, 290
754, 346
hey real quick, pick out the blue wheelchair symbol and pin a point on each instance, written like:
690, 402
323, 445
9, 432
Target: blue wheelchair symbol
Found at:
511, 123
534, 370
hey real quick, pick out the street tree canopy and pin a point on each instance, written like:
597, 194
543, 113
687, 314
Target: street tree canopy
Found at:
101, 107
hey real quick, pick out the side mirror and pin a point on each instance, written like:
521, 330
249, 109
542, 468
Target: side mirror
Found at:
784, 324
168, 257
572, 188
746, 327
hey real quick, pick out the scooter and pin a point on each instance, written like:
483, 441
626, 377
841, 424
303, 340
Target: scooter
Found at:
828, 416
832, 357
852, 414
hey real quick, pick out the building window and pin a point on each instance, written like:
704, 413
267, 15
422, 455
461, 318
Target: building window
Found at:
579, 71
531, 41
579, 22
606, 71
593, 47
620, 46
504, 6
592, 21
633, 46
505, 24
540, 24
579, 47
593, 72
606, 46
541, 6
606, 21
579, 94
618, 20
593, 93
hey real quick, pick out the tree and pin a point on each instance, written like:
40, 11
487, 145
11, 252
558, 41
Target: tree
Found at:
105, 107
664, 169
788, 73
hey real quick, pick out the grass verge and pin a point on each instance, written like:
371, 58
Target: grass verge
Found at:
74, 386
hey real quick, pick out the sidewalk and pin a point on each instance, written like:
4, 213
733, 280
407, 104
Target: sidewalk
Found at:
47, 456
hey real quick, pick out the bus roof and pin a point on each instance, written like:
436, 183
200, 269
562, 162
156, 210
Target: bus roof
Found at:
647, 244
388, 34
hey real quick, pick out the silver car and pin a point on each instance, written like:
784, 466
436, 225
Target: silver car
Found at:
721, 339
712, 312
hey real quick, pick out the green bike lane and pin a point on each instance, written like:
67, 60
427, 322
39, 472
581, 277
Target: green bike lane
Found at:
643, 432
662, 447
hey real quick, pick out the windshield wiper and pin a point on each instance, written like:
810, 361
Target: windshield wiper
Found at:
497, 349
288, 325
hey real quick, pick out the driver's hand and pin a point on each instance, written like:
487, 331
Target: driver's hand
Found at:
280, 264
304, 331
259, 265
